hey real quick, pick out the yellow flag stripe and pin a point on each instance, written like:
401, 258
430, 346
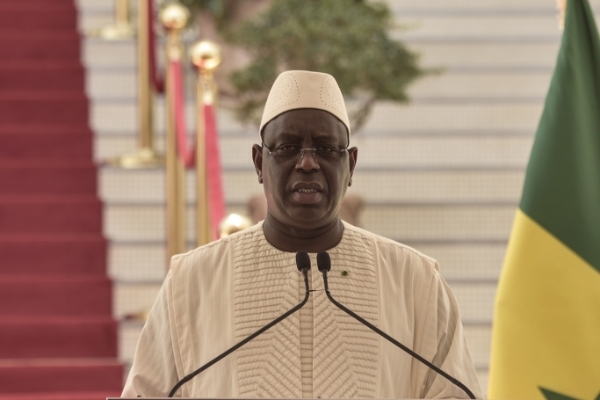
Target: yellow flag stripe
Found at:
547, 323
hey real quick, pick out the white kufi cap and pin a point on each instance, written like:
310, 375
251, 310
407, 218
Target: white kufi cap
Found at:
305, 89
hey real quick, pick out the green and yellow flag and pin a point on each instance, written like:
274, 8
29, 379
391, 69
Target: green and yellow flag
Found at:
546, 336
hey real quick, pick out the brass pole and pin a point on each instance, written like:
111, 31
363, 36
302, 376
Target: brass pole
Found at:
121, 28
202, 221
122, 12
174, 17
146, 156
206, 56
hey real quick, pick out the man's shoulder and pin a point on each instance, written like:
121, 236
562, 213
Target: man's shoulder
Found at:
215, 250
386, 247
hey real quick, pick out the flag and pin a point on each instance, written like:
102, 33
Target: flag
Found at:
546, 334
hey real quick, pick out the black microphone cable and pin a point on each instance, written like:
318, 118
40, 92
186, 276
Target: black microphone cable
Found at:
324, 265
303, 264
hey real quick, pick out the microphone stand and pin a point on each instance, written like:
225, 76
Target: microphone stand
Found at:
189, 377
324, 266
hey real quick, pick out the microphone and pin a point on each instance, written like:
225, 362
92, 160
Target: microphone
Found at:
324, 265
303, 264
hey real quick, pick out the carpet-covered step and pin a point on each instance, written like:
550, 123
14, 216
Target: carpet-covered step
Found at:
434, 223
65, 375
47, 16
45, 294
147, 262
32, 5
490, 25
442, 149
451, 117
35, 45
476, 298
391, 185
478, 339
57, 336
54, 253
44, 141
50, 214
41, 75
43, 107
47, 177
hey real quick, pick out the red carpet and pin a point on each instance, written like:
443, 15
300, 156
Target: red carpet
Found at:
58, 339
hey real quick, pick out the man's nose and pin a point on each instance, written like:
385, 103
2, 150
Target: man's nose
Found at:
307, 161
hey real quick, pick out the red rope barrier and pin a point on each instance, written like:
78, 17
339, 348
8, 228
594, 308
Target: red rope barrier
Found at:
216, 203
157, 79
186, 153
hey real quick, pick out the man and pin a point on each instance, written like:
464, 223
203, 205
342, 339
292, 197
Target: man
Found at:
220, 293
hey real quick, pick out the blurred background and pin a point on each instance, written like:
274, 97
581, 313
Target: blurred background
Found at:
442, 173
441, 162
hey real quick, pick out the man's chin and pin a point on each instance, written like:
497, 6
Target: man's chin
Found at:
308, 220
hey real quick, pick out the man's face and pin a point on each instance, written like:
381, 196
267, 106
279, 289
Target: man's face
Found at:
304, 192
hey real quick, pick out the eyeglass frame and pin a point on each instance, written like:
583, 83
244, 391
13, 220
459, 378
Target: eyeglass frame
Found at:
313, 151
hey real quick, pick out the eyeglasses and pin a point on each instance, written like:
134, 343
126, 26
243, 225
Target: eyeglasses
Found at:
323, 152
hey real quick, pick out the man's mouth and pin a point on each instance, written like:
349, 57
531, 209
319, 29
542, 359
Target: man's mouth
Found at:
307, 193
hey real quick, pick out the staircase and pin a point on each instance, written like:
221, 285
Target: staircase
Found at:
58, 339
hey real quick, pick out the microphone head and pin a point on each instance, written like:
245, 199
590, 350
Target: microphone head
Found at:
302, 260
323, 261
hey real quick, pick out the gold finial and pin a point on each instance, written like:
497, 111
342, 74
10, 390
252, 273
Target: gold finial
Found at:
233, 223
206, 56
174, 16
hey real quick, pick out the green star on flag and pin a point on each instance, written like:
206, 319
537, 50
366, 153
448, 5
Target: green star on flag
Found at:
550, 395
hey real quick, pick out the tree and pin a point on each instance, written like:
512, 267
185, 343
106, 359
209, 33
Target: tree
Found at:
348, 39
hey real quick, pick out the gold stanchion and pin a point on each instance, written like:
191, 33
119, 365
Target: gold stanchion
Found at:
233, 223
206, 56
146, 156
174, 18
121, 28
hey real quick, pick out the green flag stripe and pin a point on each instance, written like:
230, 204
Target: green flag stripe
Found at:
562, 187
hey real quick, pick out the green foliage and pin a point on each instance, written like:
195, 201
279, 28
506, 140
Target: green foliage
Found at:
348, 39
216, 7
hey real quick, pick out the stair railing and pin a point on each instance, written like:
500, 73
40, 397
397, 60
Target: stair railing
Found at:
121, 28
206, 57
174, 18
146, 155
205, 155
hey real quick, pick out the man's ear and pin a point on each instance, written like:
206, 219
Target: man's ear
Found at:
257, 159
352, 157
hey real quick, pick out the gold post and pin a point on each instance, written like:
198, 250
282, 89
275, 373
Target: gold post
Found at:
121, 28
174, 18
206, 56
146, 156
233, 223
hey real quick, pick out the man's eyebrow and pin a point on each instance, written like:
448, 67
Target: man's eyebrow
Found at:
321, 136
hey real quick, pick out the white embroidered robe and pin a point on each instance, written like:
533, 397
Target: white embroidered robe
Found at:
218, 294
